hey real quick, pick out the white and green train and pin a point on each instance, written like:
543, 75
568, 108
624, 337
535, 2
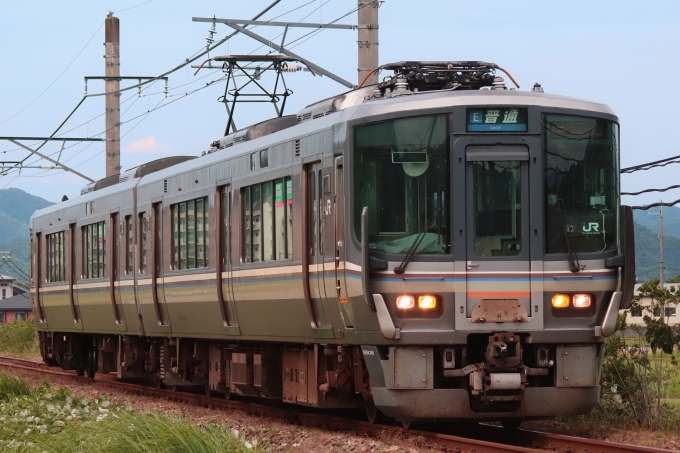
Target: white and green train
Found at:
436, 246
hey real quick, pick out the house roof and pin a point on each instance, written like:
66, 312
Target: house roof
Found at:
7, 278
20, 302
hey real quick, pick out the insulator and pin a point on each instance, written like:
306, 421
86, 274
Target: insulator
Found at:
165, 90
292, 67
46, 167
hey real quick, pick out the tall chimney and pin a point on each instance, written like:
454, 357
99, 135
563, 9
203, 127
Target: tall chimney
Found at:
112, 85
368, 40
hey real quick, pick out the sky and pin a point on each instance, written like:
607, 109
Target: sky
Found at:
620, 53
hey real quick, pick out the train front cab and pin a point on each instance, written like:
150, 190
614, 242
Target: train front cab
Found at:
497, 248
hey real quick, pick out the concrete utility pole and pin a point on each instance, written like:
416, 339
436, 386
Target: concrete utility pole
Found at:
661, 276
368, 40
112, 85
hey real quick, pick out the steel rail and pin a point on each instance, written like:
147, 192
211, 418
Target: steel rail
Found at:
520, 441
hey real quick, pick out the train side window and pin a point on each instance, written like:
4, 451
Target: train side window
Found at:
144, 226
280, 219
267, 223
253, 162
129, 248
190, 227
94, 250
264, 158
56, 269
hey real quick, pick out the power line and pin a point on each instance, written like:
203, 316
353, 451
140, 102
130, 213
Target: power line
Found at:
60, 74
649, 165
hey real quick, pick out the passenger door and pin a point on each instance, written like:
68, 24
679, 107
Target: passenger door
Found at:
314, 245
157, 293
339, 244
115, 231
498, 259
225, 268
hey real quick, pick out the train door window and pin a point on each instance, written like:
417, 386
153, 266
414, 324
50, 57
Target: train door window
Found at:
226, 225
280, 216
311, 203
144, 226
56, 270
267, 222
264, 158
94, 250
191, 234
289, 217
129, 246
326, 183
253, 162
200, 236
256, 215
247, 232
182, 227
320, 214
497, 208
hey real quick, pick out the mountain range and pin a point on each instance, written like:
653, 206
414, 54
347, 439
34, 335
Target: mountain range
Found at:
17, 207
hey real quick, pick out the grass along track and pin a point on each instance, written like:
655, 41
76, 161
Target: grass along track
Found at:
475, 439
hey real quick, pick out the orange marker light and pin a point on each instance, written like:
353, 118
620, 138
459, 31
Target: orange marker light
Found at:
405, 302
582, 300
560, 301
427, 302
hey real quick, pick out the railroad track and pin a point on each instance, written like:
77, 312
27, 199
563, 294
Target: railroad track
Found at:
475, 441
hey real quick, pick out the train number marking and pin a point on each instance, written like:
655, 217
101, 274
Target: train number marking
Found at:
369, 352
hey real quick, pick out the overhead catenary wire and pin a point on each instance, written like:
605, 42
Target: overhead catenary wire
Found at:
58, 77
151, 81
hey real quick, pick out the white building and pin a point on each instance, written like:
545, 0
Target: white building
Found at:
635, 315
6, 286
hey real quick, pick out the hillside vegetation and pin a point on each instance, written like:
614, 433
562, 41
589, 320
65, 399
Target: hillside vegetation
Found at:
16, 209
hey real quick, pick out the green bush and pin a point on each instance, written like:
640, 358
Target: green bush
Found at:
19, 337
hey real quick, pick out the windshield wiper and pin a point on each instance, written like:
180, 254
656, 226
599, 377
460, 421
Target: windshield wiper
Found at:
412, 251
574, 265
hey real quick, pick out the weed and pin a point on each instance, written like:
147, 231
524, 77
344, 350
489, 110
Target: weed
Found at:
19, 337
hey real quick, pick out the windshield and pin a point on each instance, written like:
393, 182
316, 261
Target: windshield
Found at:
401, 173
581, 184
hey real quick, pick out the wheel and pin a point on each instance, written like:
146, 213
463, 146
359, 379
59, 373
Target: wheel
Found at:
512, 423
80, 369
91, 367
160, 385
373, 414
208, 391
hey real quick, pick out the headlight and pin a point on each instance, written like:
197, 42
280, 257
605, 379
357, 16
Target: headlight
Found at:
405, 302
561, 301
582, 300
427, 302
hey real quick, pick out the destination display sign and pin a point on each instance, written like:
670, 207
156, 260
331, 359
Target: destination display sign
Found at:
497, 119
